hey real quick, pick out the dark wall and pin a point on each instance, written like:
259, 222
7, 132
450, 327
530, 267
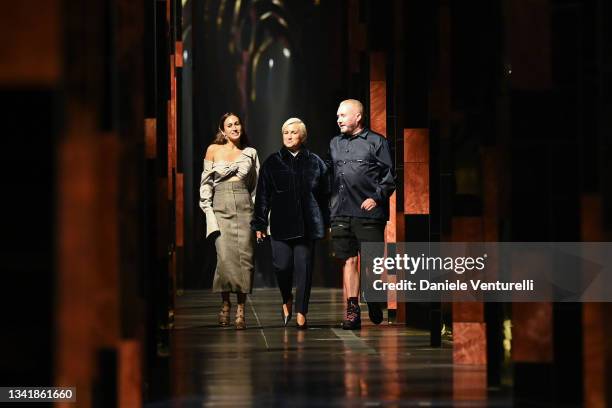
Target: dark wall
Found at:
229, 74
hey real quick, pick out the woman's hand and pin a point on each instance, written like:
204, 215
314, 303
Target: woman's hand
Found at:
260, 235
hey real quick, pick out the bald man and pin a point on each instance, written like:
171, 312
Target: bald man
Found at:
363, 181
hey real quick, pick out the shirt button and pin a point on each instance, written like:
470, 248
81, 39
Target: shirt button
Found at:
342, 174
347, 150
344, 162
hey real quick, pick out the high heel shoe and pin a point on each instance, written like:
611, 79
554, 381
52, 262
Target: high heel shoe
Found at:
224, 314
240, 322
287, 317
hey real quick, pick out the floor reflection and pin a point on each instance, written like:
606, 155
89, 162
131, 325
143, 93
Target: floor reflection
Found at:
274, 366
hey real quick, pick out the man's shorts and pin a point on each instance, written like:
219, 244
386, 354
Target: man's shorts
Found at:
348, 233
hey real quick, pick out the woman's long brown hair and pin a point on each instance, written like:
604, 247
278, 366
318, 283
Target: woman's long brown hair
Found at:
220, 138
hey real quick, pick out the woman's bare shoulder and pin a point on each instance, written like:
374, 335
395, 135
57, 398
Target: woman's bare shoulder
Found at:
210, 151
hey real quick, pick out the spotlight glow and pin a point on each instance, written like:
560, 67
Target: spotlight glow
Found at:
271, 63
287, 52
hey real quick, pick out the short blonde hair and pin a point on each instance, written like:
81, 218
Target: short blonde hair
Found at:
301, 126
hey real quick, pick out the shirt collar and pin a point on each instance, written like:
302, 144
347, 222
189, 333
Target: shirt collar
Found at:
363, 134
285, 153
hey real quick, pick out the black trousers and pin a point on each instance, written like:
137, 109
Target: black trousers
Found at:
291, 258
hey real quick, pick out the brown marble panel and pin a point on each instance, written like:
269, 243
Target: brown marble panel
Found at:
31, 50
400, 316
391, 295
172, 119
597, 336
400, 226
172, 270
150, 138
491, 183
173, 124
390, 229
469, 343
591, 217
129, 382
178, 59
416, 145
532, 332
357, 30
525, 263
378, 122
468, 312
169, 152
528, 42
107, 327
171, 129
594, 353
354, 61
87, 287
356, 36
378, 66
416, 188
467, 229
378, 107
162, 217
179, 210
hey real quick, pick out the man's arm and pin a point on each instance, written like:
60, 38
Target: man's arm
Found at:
384, 161
323, 192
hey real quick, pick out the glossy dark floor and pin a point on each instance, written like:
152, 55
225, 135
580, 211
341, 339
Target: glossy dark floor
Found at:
269, 365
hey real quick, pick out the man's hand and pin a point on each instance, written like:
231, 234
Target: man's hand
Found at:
260, 235
368, 204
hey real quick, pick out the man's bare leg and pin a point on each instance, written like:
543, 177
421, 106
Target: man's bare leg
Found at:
350, 275
350, 279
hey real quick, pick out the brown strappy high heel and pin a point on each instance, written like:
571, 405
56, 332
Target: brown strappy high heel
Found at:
240, 322
224, 314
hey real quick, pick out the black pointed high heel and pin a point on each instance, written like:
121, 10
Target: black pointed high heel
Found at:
286, 317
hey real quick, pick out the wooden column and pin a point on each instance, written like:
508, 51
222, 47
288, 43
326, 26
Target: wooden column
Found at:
469, 327
415, 189
99, 305
175, 177
416, 171
88, 269
31, 64
378, 123
528, 45
597, 335
88, 300
356, 36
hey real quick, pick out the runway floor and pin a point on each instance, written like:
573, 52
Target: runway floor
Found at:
269, 365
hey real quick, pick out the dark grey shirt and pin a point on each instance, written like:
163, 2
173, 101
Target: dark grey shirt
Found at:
361, 168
